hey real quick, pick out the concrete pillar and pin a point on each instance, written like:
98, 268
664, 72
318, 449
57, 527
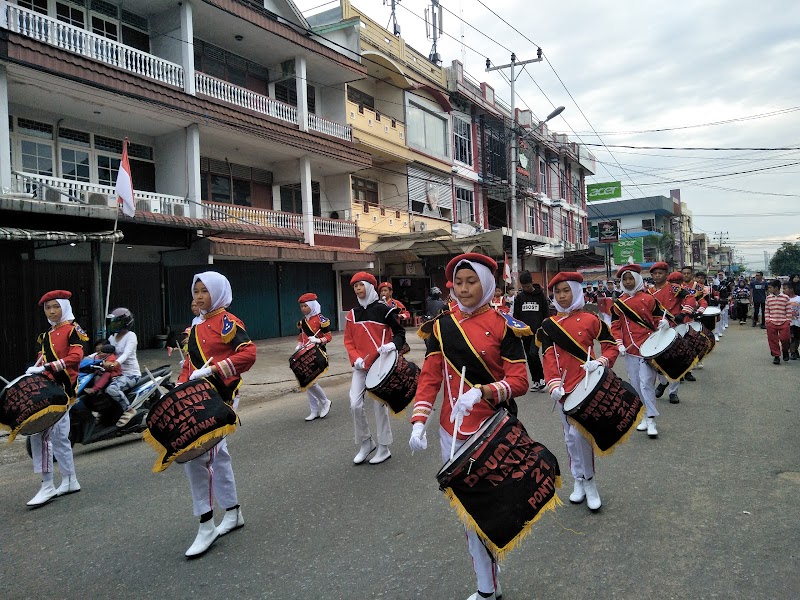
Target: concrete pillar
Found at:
193, 170
308, 206
302, 92
187, 47
5, 134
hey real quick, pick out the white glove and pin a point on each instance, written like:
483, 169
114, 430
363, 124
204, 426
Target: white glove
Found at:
314, 340
592, 365
34, 370
296, 348
359, 364
465, 402
387, 348
180, 364
663, 324
557, 394
622, 351
200, 373
419, 439
701, 310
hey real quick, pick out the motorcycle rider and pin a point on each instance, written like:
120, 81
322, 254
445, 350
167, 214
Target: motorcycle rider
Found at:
125, 342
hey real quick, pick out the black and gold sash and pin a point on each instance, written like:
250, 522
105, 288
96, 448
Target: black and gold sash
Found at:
632, 315
564, 340
458, 350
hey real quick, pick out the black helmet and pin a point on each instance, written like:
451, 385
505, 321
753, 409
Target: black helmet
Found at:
120, 318
435, 291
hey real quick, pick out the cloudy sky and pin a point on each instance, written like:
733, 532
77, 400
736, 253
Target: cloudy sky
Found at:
690, 73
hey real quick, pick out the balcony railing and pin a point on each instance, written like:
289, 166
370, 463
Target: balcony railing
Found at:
79, 41
332, 128
217, 211
55, 189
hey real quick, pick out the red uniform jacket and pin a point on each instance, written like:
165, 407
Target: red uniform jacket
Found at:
366, 328
696, 292
579, 329
317, 326
62, 352
221, 336
488, 343
634, 318
401, 308
678, 302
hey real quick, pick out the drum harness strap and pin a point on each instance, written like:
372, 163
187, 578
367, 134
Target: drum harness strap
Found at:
628, 313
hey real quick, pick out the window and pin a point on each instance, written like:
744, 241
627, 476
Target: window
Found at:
360, 98
286, 91
543, 177
532, 219
565, 228
292, 199
465, 205
107, 168
69, 14
75, 165
107, 29
579, 229
563, 184
364, 190
496, 163
37, 157
220, 63
39, 6
649, 224
546, 223
426, 130
462, 140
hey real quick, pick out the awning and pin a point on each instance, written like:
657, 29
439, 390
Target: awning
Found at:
438, 242
288, 251
12, 234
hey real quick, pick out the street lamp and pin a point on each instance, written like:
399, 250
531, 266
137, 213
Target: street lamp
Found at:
514, 263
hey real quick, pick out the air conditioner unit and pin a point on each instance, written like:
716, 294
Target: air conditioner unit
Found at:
98, 199
420, 226
143, 206
178, 210
52, 195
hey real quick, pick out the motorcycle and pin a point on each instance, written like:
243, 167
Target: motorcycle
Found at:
93, 417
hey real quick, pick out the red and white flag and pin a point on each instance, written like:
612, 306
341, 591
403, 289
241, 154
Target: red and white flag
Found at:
506, 269
124, 188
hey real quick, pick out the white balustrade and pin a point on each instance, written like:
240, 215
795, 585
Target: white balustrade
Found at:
239, 96
335, 227
79, 41
247, 215
331, 128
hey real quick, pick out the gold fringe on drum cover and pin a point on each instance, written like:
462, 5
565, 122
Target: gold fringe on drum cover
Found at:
313, 381
501, 553
658, 368
203, 441
22, 427
619, 442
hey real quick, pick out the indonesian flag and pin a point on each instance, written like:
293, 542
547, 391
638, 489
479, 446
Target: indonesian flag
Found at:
124, 187
506, 269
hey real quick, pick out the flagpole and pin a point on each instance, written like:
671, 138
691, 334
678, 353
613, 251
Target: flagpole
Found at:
110, 270
125, 199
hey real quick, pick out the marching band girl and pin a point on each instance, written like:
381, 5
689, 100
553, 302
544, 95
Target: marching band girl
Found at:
566, 340
61, 352
387, 295
487, 342
315, 328
219, 337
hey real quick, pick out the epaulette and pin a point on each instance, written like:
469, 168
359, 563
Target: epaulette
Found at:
40, 339
323, 321
81, 333
228, 328
519, 328
425, 330
299, 324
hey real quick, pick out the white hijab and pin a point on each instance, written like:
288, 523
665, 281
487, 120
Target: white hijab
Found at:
371, 296
314, 306
218, 287
485, 276
639, 283
66, 312
578, 299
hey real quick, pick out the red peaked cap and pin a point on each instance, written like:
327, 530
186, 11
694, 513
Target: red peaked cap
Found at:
675, 277
364, 276
634, 268
564, 276
55, 295
307, 297
490, 263
660, 265
385, 284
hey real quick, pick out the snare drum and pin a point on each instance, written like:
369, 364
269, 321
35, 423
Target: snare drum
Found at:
30, 404
605, 409
669, 354
187, 422
691, 332
308, 364
393, 380
500, 482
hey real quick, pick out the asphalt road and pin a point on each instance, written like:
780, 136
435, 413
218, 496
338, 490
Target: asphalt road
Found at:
710, 509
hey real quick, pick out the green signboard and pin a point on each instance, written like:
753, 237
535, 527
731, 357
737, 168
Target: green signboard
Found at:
603, 191
629, 247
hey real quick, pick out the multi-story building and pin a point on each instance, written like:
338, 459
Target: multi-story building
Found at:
240, 143
720, 258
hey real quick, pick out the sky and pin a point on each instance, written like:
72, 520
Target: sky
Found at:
685, 74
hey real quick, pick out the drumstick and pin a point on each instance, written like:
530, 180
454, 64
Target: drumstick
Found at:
458, 417
7, 382
586, 377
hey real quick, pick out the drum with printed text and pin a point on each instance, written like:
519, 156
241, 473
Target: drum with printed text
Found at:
30, 404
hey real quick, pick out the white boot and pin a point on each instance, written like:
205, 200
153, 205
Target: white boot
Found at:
46, 493
642, 426
477, 596
69, 485
312, 415
578, 493
233, 519
651, 427
206, 535
367, 447
381, 455
592, 495
326, 408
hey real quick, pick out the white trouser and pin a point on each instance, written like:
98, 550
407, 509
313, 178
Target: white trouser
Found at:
358, 390
316, 398
673, 386
725, 316
211, 476
643, 379
53, 440
482, 562
579, 449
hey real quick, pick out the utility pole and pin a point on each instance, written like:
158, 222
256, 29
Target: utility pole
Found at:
513, 177
722, 238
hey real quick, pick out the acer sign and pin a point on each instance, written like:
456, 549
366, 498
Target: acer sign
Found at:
603, 191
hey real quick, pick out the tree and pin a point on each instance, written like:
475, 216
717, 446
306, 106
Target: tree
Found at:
786, 259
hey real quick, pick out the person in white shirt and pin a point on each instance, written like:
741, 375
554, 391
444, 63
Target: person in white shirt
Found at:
125, 342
